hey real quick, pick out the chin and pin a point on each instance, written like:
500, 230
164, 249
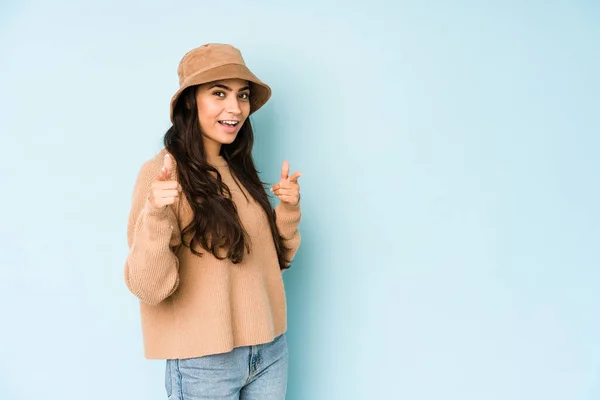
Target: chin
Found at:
227, 139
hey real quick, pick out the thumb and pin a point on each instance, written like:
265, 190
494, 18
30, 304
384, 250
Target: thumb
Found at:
295, 176
285, 170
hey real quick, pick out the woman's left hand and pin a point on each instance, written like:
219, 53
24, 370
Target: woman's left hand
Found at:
287, 189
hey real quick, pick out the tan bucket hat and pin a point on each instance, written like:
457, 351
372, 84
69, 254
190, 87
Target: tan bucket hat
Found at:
216, 61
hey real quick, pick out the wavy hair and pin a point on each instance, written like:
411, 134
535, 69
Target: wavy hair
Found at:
215, 224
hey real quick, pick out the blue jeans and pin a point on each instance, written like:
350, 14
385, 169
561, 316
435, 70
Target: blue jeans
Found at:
245, 373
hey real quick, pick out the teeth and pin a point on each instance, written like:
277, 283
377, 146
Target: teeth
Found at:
232, 123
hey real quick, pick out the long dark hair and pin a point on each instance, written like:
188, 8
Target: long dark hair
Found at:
216, 225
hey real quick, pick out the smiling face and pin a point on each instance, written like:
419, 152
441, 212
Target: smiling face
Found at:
223, 106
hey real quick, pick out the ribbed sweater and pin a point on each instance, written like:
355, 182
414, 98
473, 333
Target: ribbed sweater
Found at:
193, 306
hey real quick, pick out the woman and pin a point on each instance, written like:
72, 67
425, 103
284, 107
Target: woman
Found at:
207, 250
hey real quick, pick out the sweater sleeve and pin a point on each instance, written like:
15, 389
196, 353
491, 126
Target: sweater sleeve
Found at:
288, 218
151, 268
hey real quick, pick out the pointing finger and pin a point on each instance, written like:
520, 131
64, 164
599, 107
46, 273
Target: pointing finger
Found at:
285, 170
165, 171
168, 163
162, 175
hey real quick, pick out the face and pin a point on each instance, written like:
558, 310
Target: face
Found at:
223, 106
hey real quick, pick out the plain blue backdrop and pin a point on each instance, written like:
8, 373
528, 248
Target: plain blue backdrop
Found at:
449, 150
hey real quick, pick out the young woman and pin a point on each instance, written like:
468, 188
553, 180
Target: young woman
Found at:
207, 250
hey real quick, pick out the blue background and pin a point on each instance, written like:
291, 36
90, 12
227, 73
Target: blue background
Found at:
449, 152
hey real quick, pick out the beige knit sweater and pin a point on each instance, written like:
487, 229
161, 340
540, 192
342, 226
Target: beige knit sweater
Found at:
193, 306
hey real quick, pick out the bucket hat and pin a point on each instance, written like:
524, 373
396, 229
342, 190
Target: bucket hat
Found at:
216, 61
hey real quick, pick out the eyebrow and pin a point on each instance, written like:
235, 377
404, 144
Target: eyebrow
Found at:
228, 88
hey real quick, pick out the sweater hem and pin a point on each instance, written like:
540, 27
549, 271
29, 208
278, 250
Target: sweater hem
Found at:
157, 355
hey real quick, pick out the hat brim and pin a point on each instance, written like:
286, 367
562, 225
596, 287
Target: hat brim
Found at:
260, 92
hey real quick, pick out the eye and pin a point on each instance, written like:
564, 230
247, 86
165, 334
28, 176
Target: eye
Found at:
218, 93
245, 96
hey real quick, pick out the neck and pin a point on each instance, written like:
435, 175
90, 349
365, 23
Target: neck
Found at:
212, 149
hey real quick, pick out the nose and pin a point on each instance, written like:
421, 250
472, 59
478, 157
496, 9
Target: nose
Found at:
233, 106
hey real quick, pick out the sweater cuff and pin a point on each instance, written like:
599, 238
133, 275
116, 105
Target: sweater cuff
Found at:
290, 207
157, 213
288, 214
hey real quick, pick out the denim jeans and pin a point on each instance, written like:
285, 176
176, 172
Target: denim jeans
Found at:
246, 373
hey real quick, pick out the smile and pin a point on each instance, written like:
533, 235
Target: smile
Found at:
229, 122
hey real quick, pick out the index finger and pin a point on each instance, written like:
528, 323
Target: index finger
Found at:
285, 169
167, 163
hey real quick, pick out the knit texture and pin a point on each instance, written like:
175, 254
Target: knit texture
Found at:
193, 306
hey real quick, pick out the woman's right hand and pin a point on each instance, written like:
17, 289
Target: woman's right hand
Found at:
164, 191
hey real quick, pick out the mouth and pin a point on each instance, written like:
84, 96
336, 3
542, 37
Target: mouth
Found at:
229, 123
